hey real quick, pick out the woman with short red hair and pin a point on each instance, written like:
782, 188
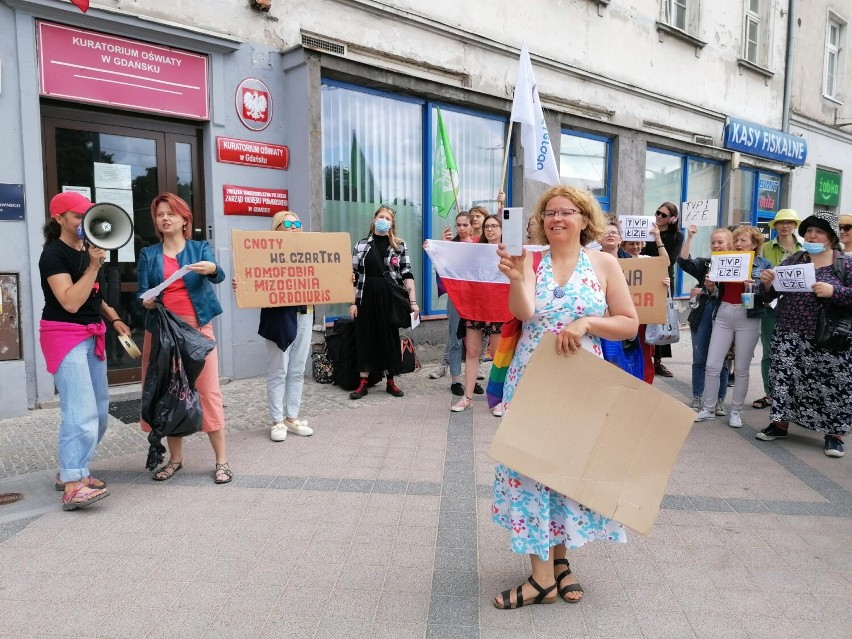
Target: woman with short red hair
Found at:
192, 299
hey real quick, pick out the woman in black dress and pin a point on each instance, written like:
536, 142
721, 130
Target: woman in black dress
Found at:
376, 341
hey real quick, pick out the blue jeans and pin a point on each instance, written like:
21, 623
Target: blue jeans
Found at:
285, 375
453, 350
81, 380
700, 345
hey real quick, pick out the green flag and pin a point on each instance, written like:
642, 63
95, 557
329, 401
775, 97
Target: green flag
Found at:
445, 173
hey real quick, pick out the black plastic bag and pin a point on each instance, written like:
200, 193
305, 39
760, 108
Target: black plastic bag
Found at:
169, 400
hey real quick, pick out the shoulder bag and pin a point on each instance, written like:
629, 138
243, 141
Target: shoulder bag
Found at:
834, 324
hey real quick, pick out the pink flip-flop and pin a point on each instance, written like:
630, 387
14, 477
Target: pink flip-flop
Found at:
82, 496
90, 481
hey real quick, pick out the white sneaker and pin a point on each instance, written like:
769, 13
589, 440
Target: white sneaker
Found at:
704, 415
735, 421
278, 433
696, 402
498, 410
440, 371
299, 427
720, 408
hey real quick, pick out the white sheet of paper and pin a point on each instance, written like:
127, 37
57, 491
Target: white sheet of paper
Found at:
85, 191
636, 228
153, 292
415, 320
733, 266
124, 199
795, 278
112, 176
699, 213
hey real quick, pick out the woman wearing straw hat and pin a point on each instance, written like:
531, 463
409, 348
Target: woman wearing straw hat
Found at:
784, 244
811, 384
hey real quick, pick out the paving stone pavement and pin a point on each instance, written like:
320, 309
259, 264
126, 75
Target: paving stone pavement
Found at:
379, 526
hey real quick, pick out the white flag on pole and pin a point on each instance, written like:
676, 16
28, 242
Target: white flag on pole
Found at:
539, 161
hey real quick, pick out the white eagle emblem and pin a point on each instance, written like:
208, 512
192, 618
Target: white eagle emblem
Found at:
254, 105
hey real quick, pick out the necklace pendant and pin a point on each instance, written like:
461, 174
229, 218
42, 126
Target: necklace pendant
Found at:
559, 293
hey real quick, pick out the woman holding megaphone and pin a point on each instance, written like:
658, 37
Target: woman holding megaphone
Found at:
192, 299
71, 333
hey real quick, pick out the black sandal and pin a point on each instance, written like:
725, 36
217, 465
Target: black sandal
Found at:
763, 402
167, 472
564, 590
225, 470
541, 598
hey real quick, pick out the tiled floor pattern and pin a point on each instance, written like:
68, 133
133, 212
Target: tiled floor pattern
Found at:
379, 526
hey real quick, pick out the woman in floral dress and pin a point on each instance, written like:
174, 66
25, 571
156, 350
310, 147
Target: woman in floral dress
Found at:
581, 296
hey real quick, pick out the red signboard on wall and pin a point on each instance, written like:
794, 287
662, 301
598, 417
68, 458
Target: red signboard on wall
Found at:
268, 156
247, 200
86, 66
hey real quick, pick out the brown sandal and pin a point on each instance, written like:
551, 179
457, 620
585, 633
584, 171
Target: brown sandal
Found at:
541, 597
564, 590
222, 474
167, 472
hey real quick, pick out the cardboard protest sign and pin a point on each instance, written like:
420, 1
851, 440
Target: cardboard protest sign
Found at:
645, 280
636, 228
795, 278
291, 269
587, 429
730, 266
699, 213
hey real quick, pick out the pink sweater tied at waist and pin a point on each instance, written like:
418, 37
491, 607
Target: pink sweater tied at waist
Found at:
58, 338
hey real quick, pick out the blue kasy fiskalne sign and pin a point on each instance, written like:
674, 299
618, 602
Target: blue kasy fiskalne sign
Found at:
772, 144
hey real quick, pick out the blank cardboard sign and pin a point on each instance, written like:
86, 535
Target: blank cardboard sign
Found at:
587, 429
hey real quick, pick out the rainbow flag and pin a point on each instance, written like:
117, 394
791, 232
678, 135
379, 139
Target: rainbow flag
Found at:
509, 337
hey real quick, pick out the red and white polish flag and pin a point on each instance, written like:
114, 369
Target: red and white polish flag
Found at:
469, 272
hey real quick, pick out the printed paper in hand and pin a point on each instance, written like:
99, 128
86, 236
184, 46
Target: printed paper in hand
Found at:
636, 228
153, 292
730, 266
795, 278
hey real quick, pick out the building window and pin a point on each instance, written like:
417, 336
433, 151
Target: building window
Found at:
584, 162
682, 15
674, 13
757, 32
755, 198
678, 178
377, 148
832, 58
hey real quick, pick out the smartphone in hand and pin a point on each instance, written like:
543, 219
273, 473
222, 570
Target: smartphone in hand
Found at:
513, 230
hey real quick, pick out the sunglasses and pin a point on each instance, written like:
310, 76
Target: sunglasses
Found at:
662, 215
846, 227
288, 224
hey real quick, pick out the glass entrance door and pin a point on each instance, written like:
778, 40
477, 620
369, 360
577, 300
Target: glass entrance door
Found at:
127, 161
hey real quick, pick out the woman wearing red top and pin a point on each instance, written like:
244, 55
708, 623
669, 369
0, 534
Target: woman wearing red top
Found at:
192, 299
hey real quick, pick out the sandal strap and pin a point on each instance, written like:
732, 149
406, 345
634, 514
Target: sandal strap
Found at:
564, 573
223, 468
542, 592
571, 588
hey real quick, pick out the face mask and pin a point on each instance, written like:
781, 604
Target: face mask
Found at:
382, 225
814, 248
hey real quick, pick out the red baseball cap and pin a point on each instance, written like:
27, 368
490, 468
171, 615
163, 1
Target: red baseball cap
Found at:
69, 201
